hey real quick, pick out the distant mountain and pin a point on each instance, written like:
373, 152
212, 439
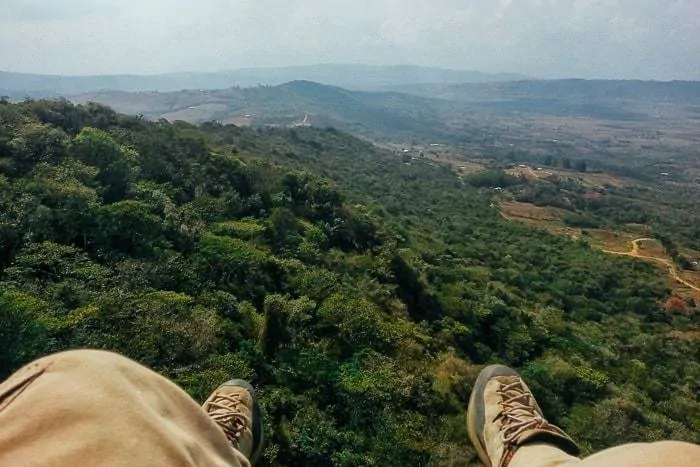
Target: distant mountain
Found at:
569, 89
422, 112
368, 77
21, 84
369, 113
608, 99
360, 77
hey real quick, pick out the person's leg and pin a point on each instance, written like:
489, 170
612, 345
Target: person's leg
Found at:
660, 454
508, 429
97, 408
542, 455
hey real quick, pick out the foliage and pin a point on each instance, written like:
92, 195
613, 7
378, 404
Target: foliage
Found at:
359, 293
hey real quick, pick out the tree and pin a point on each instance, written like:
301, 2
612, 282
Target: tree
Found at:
37, 143
283, 229
23, 336
132, 228
117, 164
161, 329
64, 205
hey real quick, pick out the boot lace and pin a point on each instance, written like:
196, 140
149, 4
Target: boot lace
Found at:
224, 409
519, 412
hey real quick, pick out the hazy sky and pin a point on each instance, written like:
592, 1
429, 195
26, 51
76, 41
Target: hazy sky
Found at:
544, 38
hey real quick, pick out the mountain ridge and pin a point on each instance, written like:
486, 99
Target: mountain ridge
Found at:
352, 76
424, 112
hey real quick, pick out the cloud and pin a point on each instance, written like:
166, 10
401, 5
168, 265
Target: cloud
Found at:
587, 38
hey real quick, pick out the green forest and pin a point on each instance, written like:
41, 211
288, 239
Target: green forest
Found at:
360, 292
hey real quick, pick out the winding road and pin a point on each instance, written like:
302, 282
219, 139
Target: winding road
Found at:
672, 268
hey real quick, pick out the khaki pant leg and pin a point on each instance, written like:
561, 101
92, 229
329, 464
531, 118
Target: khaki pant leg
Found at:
87, 407
661, 454
542, 455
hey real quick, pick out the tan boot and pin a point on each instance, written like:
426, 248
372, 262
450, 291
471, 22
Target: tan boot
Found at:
503, 415
234, 408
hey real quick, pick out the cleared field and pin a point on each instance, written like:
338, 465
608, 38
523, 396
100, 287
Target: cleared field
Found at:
195, 113
462, 163
526, 211
651, 248
685, 335
683, 290
593, 180
600, 180
239, 121
685, 284
610, 240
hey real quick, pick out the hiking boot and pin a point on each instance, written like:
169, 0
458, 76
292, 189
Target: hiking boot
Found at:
503, 415
234, 408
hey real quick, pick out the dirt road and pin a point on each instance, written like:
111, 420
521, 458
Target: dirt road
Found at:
672, 268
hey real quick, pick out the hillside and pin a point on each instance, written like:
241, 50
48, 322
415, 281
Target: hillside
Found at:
670, 91
460, 115
377, 115
360, 291
20, 85
616, 100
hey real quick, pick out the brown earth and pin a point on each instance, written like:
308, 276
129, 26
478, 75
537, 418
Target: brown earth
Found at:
515, 210
640, 252
621, 243
588, 179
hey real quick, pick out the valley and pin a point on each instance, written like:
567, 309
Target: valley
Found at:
360, 256
429, 234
